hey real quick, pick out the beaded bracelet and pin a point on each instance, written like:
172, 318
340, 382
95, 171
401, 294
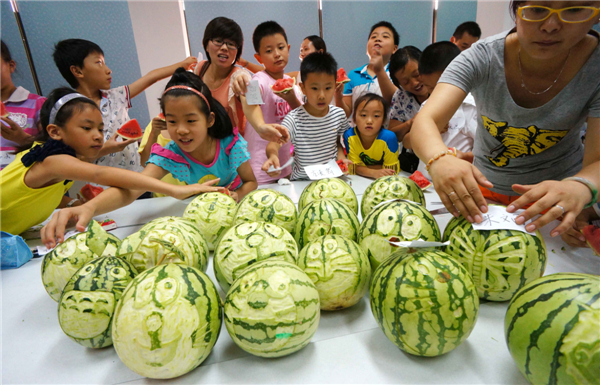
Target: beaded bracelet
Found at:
450, 151
590, 185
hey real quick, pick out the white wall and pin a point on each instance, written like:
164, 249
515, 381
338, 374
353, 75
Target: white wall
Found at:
493, 17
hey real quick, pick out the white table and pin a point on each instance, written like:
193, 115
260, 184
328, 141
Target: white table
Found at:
348, 346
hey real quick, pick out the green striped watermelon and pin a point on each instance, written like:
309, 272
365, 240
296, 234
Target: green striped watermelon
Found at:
325, 217
395, 221
552, 329
248, 243
333, 188
88, 302
500, 261
267, 205
165, 240
60, 264
425, 302
272, 309
339, 269
213, 214
387, 188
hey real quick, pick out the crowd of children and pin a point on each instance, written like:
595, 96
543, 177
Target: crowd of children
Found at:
210, 137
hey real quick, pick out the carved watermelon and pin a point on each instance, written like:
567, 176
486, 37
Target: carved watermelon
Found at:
283, 85
89, 192
420, 179
4, 110
131, 130
390, 187
342, 77
592, 237
333, 188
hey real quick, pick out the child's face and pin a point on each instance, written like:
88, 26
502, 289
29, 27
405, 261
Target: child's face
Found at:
319, 89
369, 118
6, 71
408, 77
274, 53
306, 48
430, 80
95, 72
83, 132
222, 56
381, 40
187, 125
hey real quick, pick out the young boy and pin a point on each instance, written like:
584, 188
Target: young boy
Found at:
272, 51
81, 63
315, 128
466, 34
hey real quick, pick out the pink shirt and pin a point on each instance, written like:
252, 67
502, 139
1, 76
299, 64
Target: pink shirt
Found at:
274, 110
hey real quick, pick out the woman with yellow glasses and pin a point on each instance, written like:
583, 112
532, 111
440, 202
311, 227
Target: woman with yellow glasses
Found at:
534, 87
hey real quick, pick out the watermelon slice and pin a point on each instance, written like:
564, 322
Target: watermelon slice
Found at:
342, 77
283, 85
4, 110
592, 237
89, 192
420, 179
131, 130
342, 165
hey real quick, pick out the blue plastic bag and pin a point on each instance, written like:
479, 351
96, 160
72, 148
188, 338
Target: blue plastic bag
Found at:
14, 252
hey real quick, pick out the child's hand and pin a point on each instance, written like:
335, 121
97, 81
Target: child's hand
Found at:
13, 132
189, 63
54, 231
234, 195
158, 125
376, 61
272, 161
384, 172
289, 96
239, 85
274, 133
339, 90
182, 192
112, 145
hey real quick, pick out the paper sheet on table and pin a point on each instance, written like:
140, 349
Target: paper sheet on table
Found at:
288, 163
42, 250
253, 97
497, 218
419, 243
322, 171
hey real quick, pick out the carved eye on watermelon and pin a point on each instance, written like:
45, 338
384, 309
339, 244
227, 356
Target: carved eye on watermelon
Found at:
342, 77
282, 86
131, 130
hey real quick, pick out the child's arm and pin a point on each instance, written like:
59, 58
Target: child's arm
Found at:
248, 181
341, 155
344, 102
157, 125
270, 132
385, 83
374, 171
153, 76
272, 159
401, 129
112, 145
291, 98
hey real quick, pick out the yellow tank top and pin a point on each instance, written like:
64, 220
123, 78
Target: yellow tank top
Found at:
21, 206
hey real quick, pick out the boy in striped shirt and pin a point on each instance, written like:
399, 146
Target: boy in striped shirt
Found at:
316, 127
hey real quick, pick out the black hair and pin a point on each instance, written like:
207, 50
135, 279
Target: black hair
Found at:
368, 98
389, 26
470, 27
437, 56
318, 62
222, 127
513, 7
72, 52
400, 58
62, 117
6, 52
223, 28
317, 42
268, 28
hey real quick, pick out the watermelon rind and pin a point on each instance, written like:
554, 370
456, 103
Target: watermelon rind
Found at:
123, 130
388, 188
89, 299
395, 221
425, 302
213, 213
339, 268
167, 321
325, 217
267, 205
272, 309
500, 261
333, 188
248, 243
283, 90
552, 329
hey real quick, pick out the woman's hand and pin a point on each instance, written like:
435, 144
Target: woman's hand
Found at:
562, 199
182, 192
456, 181
54, 231
239, 84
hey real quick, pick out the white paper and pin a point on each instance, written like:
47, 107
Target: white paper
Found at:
287, 164
322, 171
419, 243
200, 57
497, 218
395, 200
253, 97
42, 250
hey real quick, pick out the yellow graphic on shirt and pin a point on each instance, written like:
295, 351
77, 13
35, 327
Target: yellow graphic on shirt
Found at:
519, 141
206, 178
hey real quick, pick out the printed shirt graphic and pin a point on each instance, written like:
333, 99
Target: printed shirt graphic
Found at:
517, 145
404, 106
383, 151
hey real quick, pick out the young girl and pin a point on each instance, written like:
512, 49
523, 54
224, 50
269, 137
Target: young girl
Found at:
310, 44
372, 149
24, 112
34, 184
204, 147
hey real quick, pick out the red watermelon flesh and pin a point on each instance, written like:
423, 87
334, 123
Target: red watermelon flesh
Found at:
161, 116
4, 110
131, 130
342, 77
592, 237
283, 85
420, 179
342, 165
89, 192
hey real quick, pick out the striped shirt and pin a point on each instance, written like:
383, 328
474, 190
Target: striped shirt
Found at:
314, 139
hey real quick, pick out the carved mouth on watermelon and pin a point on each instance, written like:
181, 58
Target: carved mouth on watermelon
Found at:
130, 130
592, 237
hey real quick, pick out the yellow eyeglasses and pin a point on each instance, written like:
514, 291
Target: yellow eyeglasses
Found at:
537, 13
